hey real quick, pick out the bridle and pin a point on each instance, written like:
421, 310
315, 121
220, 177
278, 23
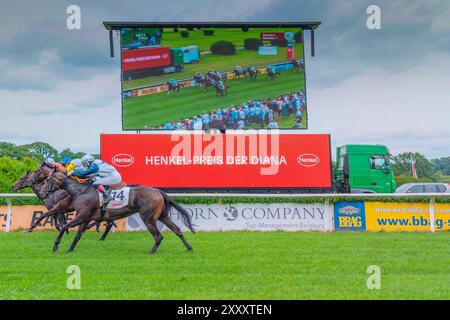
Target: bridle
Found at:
49, 186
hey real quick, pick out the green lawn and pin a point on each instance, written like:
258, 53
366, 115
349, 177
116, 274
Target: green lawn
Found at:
156, 109
228, 265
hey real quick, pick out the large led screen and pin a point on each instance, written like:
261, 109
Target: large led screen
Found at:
222, 78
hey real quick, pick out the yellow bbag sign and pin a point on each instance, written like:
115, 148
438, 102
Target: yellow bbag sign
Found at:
403, 216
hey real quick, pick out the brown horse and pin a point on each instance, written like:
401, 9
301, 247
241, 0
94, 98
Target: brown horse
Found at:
152, 205
58, 203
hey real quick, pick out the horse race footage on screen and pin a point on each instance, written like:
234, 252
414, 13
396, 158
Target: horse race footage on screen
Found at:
213, 78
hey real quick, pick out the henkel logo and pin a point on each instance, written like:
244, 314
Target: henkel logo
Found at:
122, 160
308, 160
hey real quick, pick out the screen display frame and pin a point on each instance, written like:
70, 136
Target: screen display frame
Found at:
257, 25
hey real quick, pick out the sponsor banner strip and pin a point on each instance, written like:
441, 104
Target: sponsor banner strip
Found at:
342, 216
412, 217
250, 217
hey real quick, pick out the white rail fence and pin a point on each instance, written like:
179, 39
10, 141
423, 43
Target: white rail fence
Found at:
431, 197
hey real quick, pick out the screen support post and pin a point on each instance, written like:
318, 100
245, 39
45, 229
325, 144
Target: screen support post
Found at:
111, 43
313, 49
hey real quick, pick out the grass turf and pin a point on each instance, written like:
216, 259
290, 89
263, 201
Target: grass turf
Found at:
156, 109
228, 265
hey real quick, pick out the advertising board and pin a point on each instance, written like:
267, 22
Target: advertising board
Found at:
216, 161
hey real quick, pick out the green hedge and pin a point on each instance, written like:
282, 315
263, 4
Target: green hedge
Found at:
230, 200
223, 48
208, 32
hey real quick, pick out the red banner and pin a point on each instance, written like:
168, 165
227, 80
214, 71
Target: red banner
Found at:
221, 161
272, 36
289, 53
136, 59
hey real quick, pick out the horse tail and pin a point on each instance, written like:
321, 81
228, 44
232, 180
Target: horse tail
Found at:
169, 202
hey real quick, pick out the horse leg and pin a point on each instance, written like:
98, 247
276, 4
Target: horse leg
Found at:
56, 223
66, 227
149, 217
90, 225
60, 221
108, 228
49, 213
175, 229
151, 226
80, 231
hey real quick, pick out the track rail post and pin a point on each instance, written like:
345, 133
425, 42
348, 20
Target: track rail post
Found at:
8, 214
431, 210
326, 208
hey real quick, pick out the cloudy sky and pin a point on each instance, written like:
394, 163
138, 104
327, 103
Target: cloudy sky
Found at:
388, 86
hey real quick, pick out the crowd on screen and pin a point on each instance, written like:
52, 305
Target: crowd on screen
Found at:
264, 113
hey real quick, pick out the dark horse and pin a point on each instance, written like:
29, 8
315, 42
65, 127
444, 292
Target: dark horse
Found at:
199, 79
58, 203
239, 73
152, 204
221, 88
272, 74
173, 88
253, 73
209, 82
204, 81
217, 76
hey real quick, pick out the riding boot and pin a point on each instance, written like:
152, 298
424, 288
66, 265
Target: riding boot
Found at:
106, 196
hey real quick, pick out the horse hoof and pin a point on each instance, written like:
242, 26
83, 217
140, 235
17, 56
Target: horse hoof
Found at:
55, 249
29, 230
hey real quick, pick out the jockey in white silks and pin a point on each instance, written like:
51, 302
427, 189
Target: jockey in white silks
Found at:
102, 173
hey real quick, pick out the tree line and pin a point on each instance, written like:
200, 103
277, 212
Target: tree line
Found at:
16, 160
434, 170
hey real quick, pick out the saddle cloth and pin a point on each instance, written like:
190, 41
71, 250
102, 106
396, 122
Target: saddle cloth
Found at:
119, 198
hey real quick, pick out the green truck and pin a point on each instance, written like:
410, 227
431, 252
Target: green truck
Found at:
364, 169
